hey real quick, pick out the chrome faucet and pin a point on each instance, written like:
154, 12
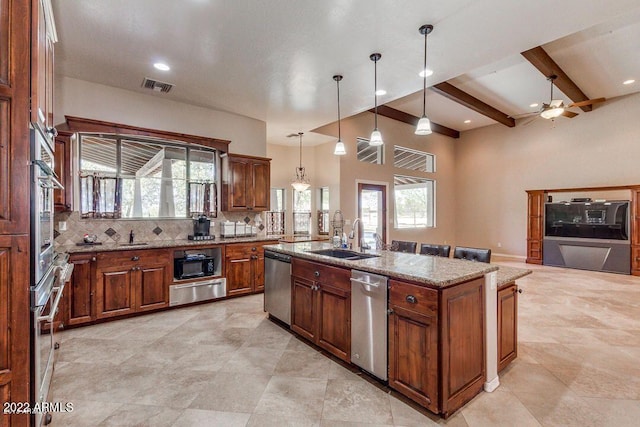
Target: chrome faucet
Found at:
363, 243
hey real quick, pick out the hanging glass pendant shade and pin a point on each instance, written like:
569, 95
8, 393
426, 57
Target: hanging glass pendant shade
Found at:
376, 137
301, 181
424, 124
340, 149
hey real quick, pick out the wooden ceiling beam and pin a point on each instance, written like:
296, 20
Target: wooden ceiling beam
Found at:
401, 116
540, 59
453, 93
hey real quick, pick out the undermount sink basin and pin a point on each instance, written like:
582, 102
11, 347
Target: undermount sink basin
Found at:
133, 244
343, 254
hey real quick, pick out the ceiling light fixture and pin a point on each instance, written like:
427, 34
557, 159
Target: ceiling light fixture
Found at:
425, 73
376, 136
555, 107
381, 92
301, 182
535, 104
162, 67
467, 121
339, 150
628, 82
424, 124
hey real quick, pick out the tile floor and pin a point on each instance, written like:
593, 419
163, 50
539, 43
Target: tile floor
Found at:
225, 364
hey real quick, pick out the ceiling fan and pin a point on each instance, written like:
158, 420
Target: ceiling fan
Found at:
556, 107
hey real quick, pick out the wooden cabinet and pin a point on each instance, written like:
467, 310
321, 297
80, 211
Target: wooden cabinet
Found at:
62, 199
535, 200
413, 342
44, 36
244, 268
321, 306
131, 281
79, 291
246, 183
436, 343
507, 324
635, 231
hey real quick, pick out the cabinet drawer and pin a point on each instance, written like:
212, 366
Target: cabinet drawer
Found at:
243, 250
413, 297
333, 276
126, 258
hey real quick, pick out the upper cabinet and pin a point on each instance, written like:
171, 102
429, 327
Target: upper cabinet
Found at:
62, 198
44, 36
246, 183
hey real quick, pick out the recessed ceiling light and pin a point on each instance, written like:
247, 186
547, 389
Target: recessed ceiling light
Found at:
381, 92
467, 121
628, 82
427, 71
162, 67
535, 104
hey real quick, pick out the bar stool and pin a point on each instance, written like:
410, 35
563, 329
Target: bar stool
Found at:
403, 246
435, 250
472, 254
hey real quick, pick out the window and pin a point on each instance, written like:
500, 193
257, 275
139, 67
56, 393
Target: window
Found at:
302, 212
414, 202
128, 177
323, 212
275, 217
406, 158
369, 154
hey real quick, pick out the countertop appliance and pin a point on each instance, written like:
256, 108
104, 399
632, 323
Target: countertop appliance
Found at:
369, 296
277, 285
193, 265
201, 229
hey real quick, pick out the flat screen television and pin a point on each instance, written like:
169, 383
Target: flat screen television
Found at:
588, 220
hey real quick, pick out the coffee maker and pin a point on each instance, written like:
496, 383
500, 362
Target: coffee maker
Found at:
201, 226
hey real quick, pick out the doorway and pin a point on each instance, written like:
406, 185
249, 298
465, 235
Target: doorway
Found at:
372, 211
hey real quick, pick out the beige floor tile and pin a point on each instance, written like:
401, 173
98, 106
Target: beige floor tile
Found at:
270, 420
85, 413
500, 408
616, 413
253, 360
356, 401
405, 415
293, 397
174, 387
303, 364
231, 392
567, 410
142, 416
199, 417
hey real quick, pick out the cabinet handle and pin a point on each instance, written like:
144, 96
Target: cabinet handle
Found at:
316, 273
93, 259
390, 311
518, 290
253, 249
411, 299
135, 258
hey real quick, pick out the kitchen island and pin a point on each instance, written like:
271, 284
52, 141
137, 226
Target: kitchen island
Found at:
444, 335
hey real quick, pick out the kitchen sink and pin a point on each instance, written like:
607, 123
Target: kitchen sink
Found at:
133, 244
343, 254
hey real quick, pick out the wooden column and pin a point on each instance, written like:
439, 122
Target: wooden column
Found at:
535, 225
635, 231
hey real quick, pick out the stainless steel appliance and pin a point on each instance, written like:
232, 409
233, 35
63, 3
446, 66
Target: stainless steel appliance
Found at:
369, 296
277, 285
193, 265
197, 291
201, 229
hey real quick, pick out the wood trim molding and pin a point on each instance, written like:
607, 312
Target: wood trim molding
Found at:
401, 116
79, 124
448, 90
540, 59
578, 189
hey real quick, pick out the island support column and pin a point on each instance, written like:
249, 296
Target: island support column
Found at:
491, 333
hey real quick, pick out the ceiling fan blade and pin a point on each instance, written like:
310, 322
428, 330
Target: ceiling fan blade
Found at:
569, 114
555, 103
587, 102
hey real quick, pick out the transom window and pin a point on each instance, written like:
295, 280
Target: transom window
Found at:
369, 154
129, 177
407, 158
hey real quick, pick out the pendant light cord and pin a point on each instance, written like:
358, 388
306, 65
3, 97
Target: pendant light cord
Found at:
300, 134
375, 91
424, 70
339, 136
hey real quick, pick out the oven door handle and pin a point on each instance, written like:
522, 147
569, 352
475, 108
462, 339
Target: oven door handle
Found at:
54, 306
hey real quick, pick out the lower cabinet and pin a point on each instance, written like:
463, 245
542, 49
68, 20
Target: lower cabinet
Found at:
78, 307
131, 281
244, 268
507, 324
321, 306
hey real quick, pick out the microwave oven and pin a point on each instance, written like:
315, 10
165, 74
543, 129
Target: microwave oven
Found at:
195, 265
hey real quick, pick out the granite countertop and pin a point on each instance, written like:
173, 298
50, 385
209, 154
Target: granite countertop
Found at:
510, 274
432, 271
107, 247
299, 238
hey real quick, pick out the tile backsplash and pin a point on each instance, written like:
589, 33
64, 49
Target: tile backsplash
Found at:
152, 230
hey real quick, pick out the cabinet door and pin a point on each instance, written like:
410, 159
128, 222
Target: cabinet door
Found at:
239, 275
507, 325
239, 184
258, 270
114, 292
62, 162
413, 356
261, 185
334, 321
78, 291
152, 289
303, 308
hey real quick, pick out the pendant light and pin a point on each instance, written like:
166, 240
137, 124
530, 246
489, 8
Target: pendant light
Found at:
424, 124
339, 150
376, 136
301, 182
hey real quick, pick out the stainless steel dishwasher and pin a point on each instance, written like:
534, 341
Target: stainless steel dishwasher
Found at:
277, 285
369, 322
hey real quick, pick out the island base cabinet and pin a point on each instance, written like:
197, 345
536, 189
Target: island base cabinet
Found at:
321, 306
507, 325
244, 268
413, 356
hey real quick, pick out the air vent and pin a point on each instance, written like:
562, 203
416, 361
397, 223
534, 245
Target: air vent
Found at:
156, 85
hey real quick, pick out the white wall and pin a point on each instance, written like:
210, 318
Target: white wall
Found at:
81, 98
495, 165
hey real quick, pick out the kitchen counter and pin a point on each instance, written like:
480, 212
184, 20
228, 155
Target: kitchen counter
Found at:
298, 238
106, 247
437, 272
